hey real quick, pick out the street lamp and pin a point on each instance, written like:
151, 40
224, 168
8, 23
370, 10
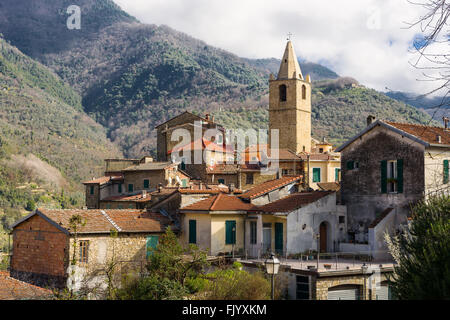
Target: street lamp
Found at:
272, 266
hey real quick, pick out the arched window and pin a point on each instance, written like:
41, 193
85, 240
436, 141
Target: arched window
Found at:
303, 92
283, 90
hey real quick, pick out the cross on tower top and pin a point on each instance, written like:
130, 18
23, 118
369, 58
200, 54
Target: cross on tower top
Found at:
289, 36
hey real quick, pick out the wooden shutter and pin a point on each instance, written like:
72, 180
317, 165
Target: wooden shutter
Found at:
384, 176
279, 237
316, 174
446, 171
350, 165
152, 243
130, 188
230, 235
146, 184
193, 231
400, 175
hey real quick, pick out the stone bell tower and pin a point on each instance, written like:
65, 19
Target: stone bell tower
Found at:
290, 104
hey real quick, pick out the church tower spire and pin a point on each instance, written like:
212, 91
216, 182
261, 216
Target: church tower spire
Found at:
289, 68
290, 104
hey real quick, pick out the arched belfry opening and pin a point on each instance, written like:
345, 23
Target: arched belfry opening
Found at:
283, 92
303, 92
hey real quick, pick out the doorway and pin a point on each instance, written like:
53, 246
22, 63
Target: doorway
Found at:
323, 237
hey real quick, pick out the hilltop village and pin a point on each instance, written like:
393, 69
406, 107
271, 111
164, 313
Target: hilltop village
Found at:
324, 211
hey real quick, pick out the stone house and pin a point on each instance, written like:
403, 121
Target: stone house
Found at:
129, 188
45, 243
391, 165
187, 121
343, 280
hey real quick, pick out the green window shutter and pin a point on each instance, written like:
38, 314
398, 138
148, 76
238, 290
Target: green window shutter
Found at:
230, 235
152, 243
193, 231
184, 183
92, 190
446, 177
400, 175
221, 181
120, 188
350, 165
146, 184
336, 175
384, 176
130, 188
316, 174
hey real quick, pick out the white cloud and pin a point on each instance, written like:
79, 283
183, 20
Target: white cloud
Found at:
366, 39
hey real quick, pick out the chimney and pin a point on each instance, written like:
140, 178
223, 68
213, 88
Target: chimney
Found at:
207, 116
370, 120
159, 187
439, 139
446, 121
144, 194
212, 118
231, 187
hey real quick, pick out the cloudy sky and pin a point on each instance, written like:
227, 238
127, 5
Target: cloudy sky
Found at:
365, 39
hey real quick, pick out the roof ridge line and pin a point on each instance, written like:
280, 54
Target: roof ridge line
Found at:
110, 220
215, 201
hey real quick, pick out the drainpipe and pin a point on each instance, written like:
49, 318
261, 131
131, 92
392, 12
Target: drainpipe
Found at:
307, 175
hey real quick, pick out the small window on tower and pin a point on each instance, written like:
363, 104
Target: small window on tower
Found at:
283, 91
303, 92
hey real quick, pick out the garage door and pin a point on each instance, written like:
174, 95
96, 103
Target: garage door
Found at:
344, 293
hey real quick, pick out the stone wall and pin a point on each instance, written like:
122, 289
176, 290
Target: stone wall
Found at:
361, 187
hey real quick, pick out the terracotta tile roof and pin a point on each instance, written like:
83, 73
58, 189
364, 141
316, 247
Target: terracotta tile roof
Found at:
140, 221
220, 202
329, 186
426, 133
317, 156
150, 166
203, 144
13, 289
380, 217
103, 180
264, 149
285, 154
127, 198
293, 201
268, 186
98, 221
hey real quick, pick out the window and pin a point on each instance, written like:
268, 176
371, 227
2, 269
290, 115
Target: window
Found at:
184, 183
252, 232
283, 92
84, 250
193, 231
230, 232
302, 292
337, 173
130, 187
285, 172
249, 178
392, 176
120, 188
320, 150
316, 174
92, 190
304, 92
341, 219
221, 181
146, 184
183, 164
352, 165
446, 176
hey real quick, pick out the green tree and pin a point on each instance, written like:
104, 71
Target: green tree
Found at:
423, 253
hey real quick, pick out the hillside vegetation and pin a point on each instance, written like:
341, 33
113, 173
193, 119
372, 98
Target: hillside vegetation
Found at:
48, 145
133, 76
